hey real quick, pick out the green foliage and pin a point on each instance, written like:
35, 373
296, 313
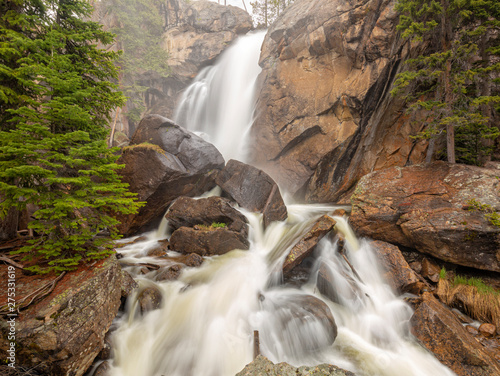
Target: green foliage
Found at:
265, 12
218, 225
492, 216
55, 100
442, 273
478, 283
454, 86
139, 35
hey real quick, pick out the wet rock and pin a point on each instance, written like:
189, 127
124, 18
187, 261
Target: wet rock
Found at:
103, 369
292, 316
106, 351
339, 213
128, 284
430, 270
396, 270
440, 332
159, 251
427, 207
308, 242
252, 189
261, 366
193, 260
63, 333
168, 273
171, 162
188, 212
325, 115
327, 285
472, 330
150, 299
487, 330
207, 241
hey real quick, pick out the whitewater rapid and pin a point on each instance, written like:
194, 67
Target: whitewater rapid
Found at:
205, 325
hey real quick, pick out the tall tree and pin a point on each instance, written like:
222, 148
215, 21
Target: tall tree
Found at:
265, 12
55, 100
444, 82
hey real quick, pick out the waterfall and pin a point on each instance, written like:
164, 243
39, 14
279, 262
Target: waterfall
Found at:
218, 105
206, 322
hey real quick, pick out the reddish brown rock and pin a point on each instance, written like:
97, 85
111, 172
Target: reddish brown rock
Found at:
168, 273
430, 270
64, 332
169, 163
150, 299
189, 212
325, 115
207, 241
308, 242
396, 270
427, 207
440, 332
487, 330
252, 189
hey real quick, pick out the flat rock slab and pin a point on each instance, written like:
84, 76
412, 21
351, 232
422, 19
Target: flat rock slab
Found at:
308, 242
252, 189
427, 207
437, 328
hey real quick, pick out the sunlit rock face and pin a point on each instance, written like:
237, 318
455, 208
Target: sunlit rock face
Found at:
325, 115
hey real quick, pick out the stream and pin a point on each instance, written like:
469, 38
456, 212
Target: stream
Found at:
206, 323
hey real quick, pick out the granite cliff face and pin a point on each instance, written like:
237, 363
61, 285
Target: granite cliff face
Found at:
325, 116
196, 33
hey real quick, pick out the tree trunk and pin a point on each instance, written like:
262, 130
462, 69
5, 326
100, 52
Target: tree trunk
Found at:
485, 85
446, 36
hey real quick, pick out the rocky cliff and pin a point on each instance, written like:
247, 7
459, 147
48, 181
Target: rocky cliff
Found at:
195, 34
325, 116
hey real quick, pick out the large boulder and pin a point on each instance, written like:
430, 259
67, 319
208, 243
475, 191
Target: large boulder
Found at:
207, 240
63, 333
261, 366
437, 328
325, 115
206, 226
291, 320
252, 189
188, 212
165, 162
434, 208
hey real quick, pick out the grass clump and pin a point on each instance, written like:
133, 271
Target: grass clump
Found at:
472, 295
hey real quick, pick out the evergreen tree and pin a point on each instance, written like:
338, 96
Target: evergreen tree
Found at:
55, 100
265, 12
445, 83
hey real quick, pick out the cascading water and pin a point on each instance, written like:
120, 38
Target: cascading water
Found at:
218, 105
208, 316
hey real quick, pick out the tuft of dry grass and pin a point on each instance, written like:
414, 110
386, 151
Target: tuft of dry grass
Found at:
476, 299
